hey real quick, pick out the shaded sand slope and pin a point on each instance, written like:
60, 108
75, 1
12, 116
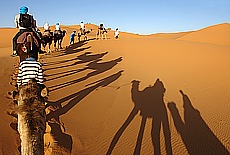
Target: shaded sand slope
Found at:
96, 108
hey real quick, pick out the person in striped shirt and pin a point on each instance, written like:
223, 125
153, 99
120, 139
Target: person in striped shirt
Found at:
30, 69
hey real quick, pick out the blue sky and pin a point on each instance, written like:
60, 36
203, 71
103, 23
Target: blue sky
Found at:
136, 16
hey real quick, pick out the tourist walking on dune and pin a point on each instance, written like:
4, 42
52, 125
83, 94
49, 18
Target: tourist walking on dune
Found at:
116, 34
72, 35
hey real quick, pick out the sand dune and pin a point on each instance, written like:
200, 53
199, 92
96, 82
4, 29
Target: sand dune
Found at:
217, 34
100, 107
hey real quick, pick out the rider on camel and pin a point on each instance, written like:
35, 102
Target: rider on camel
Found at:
57, 28
25, 23
82, 26
47, 31
46, 27
101, 26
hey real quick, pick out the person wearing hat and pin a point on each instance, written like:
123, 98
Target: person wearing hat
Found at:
25, 23
46, 27
57, 27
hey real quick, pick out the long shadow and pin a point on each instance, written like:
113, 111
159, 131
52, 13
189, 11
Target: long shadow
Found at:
61, 139
195, 133
83, 58
86, 57
64, 66
59, 62
69, 50
78, 96
73, 48
151, 105
56, 110
71, 72
97, 67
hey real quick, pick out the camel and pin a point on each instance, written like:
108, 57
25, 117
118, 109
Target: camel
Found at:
58, 37
26, 43
47, 39
83, 33
101, 33
31, 117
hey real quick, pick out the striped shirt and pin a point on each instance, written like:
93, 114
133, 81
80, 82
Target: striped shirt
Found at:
29, 69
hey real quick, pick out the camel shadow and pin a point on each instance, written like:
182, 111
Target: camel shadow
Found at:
75, 48
64, 61
97, 68
151, 105
78, 96
195, 133
84, 58
53, 117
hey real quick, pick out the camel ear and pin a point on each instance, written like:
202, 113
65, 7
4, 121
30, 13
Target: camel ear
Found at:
45, 92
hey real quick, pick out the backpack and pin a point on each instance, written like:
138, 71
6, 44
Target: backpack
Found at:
47, 33
25, 20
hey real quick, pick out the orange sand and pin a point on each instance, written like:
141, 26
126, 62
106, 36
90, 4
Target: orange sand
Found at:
94, 96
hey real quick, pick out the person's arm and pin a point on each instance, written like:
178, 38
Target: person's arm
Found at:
34, 23
16, 21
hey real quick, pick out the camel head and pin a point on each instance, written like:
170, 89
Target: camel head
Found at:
135, 83
64, 32
159, 86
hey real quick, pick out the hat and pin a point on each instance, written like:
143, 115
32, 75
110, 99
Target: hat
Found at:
23, 10
46, 24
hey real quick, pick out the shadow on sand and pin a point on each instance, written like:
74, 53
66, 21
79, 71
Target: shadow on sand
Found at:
151, 105
195, 133
83, 58
97, 68
56, 110
75, 48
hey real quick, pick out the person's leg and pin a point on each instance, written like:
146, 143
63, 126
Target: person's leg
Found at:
15, 41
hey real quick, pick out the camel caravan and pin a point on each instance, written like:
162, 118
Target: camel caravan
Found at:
40, 43
30, 95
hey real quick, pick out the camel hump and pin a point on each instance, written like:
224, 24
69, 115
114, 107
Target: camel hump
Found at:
27, 37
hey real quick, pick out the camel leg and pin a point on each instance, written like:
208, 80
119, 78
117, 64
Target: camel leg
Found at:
60, 44
49, 48
99, 34
105, 36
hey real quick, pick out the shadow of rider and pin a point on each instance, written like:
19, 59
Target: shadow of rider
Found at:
150, 103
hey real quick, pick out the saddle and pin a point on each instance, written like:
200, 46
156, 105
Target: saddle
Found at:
58, 32
47, 34
23, 38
